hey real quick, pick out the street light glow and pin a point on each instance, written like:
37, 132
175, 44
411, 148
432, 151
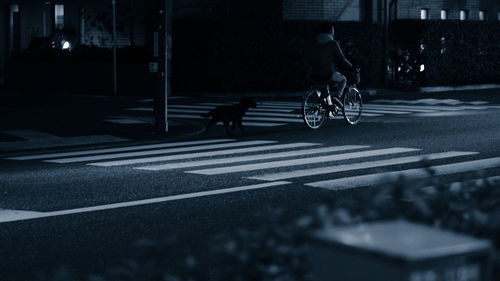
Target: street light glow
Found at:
422, 68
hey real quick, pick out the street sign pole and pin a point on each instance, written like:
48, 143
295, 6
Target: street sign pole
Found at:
115, 90
161, 116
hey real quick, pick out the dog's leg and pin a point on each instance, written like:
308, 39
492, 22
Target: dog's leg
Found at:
209, 124
240, 125
226, 125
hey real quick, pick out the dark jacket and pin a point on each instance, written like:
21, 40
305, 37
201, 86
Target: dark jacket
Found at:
324, 55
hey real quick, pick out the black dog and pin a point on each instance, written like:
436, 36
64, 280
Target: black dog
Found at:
230, 114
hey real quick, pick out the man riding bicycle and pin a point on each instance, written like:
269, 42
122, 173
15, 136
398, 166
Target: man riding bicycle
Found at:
323, 57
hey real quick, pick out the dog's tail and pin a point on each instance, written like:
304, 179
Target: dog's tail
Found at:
208, 114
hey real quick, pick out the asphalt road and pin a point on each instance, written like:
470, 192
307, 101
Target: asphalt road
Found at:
68, 216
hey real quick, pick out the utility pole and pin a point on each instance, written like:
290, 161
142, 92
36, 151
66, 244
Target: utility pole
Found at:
115, 87
163, 89
386, 40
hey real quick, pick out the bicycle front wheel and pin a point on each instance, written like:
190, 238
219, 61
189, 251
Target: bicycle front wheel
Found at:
313, 111
353, 106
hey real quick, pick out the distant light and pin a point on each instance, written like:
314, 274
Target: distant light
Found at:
482, 15
399, 68
66, 45
444, 14
422, 68
463, 14
424, 14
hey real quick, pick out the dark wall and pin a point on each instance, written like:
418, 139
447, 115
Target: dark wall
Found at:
262, 55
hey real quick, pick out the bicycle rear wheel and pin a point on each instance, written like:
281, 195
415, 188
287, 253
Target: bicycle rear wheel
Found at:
353, 106
313, 111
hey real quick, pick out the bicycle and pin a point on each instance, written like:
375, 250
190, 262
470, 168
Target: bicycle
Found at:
315, 108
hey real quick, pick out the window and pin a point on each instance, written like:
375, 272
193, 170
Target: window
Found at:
424, 14
482, 15
444, 14
463, 14
59, 15
498, 15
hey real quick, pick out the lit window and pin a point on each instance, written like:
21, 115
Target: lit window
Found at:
444, 14
482, 15
424, 14
463, 14
59, 15
498, 15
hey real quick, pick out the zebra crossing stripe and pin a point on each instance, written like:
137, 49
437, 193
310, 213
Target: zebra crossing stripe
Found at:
117, 149
211, 106
359, 166
302, 161
415, 108
245, 123
148, 109
265, 110
157, 151
253, 113
250, 158
394, 108
411, 174
24, 215
200, 154
246, 118
385, 111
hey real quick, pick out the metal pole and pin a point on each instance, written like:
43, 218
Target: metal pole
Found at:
166, 25
115, 91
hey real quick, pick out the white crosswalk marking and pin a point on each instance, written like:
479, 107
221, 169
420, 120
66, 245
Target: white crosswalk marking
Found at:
359, 181
158, 151
250, 158
261, 160
359, 166
117, 149
280, 113
201, 154
302, 161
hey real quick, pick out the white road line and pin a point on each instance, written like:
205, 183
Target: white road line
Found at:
246, 118
250, 158
192, 106
261, 113
157, 151
200, 154
148, 109
302, 161
283, 102
278, 106
258, 108
127, 121
366, 114
23, 215
290, 120
117, 149
396, 108
269, 110
358, 166
259, 105
385, 111
359, 181
416, 107
260, 124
